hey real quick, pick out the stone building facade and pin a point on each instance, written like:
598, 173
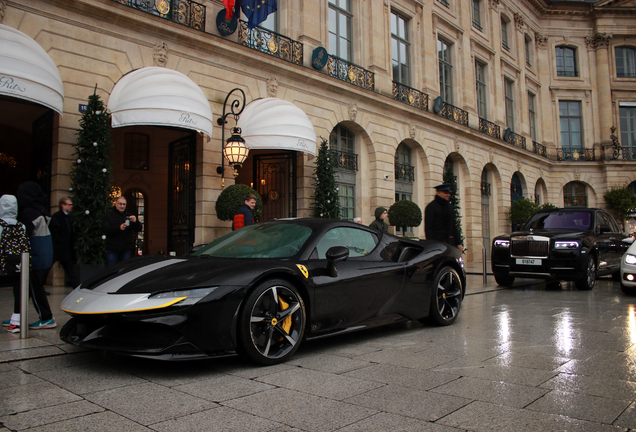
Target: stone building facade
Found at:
518, 98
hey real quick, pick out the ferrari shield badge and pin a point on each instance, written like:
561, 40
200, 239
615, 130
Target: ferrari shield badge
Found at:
303, 270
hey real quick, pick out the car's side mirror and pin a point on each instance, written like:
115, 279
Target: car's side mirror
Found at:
196, 248
334, 255
605, 229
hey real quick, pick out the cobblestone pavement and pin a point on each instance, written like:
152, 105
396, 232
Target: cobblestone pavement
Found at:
527, 358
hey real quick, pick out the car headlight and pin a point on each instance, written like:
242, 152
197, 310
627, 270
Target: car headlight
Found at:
630, 259
502, 243
566, 245
192, 296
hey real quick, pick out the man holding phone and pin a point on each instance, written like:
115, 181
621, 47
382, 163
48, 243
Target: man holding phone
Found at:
117, 226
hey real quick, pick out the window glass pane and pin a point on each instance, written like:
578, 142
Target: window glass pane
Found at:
402, 28
394, 24
574, 108
563, 108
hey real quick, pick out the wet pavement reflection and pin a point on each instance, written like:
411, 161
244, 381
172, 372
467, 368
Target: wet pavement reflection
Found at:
533, 357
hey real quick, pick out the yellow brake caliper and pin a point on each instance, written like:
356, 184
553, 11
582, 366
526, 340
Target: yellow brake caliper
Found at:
287, 322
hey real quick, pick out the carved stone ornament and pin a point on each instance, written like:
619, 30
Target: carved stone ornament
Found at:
272, 87
541, 41
353, 112
160, 54
494, 4
577, 174
541, 174
3, 9
520, 21
457, 145
492, 156
412, 131
518, 165
600, 40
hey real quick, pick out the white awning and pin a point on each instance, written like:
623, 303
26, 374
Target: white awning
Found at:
273, 123
157, 96
27, 72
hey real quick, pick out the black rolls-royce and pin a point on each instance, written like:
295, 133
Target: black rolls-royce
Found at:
569, 244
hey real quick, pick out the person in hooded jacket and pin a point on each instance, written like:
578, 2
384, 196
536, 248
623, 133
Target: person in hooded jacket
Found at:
379, 223
35, 216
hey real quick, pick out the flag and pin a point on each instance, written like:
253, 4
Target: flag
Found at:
229, 8
256, 11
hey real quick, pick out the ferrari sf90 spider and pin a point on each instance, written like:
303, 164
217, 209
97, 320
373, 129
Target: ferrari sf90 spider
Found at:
262, 289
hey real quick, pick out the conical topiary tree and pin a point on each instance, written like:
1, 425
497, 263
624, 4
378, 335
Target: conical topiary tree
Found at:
232, 198
326, 202
91, 181
404, 214
449, 177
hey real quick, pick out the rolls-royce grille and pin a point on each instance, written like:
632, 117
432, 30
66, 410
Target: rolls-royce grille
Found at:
530, 248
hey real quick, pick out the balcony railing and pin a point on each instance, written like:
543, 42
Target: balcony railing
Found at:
186, 12
516, 140
404, 172
345, 160
410, 96
348, 72
578, 200
628, 153
489, 128
485, 189
271, 43
575, 155
453, 113
539, 149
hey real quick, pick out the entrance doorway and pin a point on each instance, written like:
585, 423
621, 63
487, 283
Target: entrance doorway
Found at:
181, 194
275, 181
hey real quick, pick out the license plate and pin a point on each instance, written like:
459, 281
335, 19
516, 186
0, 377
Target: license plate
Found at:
526, 261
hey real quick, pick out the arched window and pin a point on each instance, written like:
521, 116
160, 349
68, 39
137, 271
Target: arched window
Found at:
516, 189
404, 171
136, 204
574, 194
342, 149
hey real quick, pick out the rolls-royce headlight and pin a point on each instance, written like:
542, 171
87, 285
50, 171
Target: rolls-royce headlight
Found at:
191, 296
502, 243
566, 245
630, 259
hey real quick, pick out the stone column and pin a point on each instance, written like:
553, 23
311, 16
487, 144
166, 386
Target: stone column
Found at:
600, 43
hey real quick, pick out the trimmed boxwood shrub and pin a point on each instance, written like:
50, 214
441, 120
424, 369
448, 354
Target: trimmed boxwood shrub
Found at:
405, 214
232, 198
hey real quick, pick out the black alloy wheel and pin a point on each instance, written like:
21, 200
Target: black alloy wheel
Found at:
588, 280
271, 323
446, 297
504, 279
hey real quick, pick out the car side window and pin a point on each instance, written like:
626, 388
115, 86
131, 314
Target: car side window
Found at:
359, 242
603, 219
612, 223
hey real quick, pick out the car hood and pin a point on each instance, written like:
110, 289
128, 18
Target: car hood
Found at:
554, 234
151, 274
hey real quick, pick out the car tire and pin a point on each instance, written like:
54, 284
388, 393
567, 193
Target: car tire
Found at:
271, 323
587, 282
504, 279
446, 297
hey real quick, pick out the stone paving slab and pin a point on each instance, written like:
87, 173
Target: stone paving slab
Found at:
520, 359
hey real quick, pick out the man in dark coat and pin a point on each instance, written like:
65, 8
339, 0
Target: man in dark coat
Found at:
117, 225
244, 215
439, 218
63, 241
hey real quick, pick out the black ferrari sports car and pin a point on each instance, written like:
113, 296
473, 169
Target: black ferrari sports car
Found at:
259, 290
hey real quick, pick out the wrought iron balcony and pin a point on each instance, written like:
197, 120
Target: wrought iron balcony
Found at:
516, 140
453, 113
271, 43
628, 153
348, 72
539, 149
404, 172
485, 189
345, 160
489, 128
186, 12
410, 96
581, 155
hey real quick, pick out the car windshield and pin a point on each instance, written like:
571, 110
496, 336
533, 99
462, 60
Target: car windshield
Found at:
265, 240
561, 220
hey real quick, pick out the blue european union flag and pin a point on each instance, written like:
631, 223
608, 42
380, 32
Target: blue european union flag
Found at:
256, 11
